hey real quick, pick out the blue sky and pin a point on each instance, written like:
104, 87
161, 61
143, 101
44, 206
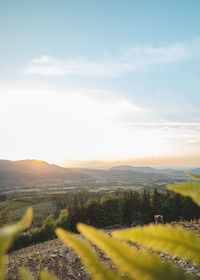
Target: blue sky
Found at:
125, 71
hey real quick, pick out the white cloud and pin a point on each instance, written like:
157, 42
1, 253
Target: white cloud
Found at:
137, 58
180, 137
167, 124
49, 66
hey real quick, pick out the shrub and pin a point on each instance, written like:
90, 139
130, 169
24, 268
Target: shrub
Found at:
22, 240
63, 220
48, 228
36, 235
5, 217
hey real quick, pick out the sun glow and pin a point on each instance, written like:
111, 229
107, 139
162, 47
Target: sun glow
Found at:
53, 125
56, 125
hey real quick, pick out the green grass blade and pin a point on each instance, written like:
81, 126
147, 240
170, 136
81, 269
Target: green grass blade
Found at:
191, 189
98, 270
25, 275
44, 275
141, 266
174, 240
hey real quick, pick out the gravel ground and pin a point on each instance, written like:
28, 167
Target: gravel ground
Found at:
63, 262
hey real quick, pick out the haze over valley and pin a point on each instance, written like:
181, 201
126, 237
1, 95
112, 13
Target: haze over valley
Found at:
35, 175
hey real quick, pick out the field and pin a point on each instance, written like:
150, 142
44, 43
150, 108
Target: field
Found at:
51, 196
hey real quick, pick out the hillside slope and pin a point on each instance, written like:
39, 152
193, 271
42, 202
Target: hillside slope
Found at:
29, 171
62, 261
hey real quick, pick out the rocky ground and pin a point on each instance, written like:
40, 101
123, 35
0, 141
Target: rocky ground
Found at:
64, 263
51, 255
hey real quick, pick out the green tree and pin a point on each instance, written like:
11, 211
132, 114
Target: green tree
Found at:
146, 207
156, 202
5, 217
48, 228
93, 212
111, 211
63, 220
77, 213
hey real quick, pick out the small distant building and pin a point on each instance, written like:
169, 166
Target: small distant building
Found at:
100, 181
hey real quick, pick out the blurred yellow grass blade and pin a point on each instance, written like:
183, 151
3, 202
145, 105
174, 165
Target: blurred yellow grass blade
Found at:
3, 269
191, 189
44, 275
25, 275
98, 270
2, 274
174, 240
196, 176
141, 266
7, 233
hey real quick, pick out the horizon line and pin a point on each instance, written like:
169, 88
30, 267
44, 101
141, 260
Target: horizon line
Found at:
154, 162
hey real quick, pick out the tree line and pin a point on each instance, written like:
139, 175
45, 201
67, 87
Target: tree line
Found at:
127, 209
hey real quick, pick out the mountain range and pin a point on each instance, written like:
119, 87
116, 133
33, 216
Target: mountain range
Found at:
29, 171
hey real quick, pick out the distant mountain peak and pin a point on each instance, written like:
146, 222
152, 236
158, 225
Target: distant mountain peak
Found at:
195, 170
34, 161
134, 168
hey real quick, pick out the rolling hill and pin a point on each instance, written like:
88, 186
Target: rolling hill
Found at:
22, 172
29, 171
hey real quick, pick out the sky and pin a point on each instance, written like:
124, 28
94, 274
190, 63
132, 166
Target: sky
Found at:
94, 83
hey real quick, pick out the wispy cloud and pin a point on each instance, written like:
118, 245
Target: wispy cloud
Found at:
49, 66
137, 58
167, 124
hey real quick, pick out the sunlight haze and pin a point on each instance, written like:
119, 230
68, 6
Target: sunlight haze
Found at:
91, 84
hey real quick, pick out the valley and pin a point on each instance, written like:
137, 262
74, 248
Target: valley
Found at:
50, 188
